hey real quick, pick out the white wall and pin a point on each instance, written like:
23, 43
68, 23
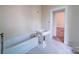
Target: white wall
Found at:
19, 20
73, 18
72, 22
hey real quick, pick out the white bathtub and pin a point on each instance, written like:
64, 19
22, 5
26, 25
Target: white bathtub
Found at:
19, 45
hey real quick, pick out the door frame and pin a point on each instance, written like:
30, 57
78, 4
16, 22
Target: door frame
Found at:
65, 22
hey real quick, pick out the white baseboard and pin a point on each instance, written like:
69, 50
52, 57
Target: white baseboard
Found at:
76, 49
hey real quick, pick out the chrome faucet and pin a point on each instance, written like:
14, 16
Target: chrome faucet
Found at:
2, 37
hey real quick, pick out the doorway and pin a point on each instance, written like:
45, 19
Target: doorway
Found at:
59, 24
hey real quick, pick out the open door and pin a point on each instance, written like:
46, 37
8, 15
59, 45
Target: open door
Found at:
59, 17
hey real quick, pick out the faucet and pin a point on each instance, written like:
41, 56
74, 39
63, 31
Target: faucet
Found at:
2, 35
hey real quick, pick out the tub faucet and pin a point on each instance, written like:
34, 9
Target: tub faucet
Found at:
2, 37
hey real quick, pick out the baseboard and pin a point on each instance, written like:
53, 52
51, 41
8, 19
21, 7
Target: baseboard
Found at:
76, 50
76, 47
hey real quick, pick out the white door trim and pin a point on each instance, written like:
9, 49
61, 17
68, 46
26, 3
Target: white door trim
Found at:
65, 22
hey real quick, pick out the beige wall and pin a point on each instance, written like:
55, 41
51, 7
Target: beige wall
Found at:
19, 20
59, 17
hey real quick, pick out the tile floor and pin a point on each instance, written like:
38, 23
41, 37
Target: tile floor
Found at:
52, 47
